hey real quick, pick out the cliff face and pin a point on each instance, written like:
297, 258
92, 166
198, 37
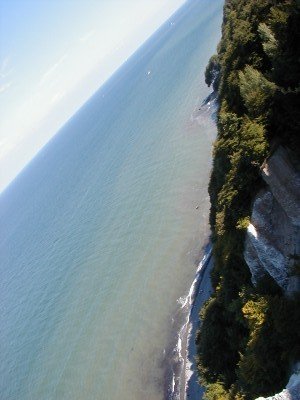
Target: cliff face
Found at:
249, 335
273, 236
292, 390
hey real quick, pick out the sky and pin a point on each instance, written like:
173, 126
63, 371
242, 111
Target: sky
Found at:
54, 54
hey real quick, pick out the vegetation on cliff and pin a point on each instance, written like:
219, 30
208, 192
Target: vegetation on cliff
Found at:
249, 335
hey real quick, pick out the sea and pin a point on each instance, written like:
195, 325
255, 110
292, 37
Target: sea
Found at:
102, 232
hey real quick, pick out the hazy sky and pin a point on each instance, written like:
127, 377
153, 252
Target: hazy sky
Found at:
54, 54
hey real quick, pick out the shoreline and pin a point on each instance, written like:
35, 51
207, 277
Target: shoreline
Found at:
182, 379
192, 389
183, 382
202, 289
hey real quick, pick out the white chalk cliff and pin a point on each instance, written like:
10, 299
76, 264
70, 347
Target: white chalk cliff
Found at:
273, 236
292, 390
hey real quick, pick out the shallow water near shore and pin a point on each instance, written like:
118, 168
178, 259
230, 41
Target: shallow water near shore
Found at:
102, 231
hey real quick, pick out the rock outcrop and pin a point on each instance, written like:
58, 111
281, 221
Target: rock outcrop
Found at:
273, 237
292, 391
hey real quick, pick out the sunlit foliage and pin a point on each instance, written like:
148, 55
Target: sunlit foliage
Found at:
244, 349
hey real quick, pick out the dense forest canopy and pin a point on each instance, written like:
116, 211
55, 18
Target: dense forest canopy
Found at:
249, 336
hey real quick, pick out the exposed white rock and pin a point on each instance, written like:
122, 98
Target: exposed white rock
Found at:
283, 177
292, 391
273, 236
264, 250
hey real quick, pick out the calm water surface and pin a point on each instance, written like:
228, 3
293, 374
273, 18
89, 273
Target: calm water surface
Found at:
100, 233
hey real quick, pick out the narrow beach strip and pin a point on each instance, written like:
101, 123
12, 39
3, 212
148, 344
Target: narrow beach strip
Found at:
192, 389
184, 381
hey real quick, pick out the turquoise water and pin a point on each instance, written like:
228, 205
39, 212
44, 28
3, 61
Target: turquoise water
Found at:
100, 233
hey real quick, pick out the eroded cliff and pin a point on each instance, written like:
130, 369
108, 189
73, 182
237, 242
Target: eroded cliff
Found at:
292, 390
273, 236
